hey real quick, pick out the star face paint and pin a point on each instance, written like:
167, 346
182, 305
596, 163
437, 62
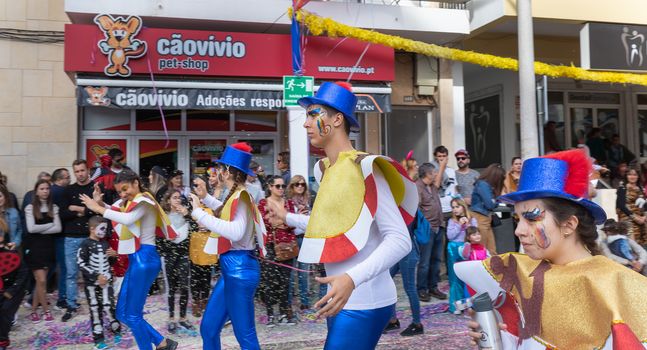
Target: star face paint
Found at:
536, 217
101, 230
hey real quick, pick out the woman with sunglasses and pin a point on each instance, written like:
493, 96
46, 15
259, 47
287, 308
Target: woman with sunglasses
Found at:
274, 278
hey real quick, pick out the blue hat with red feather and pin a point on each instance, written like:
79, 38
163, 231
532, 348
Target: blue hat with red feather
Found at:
338, 95
238, 155
558, 175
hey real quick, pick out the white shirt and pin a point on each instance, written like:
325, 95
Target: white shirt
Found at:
45, 229
239, 230
387, 244
143, 212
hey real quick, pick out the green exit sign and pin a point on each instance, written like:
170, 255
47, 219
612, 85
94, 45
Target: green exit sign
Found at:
295, 87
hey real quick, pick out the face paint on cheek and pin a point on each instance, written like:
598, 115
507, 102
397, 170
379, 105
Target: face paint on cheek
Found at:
540, 236
536, 217
101, 230
322, 127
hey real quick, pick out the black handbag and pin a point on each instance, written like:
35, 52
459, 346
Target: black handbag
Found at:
496, 220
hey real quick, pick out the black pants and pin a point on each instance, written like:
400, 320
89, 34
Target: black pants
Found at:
100, 299
8, 310
274, 284
176, 268
200, 281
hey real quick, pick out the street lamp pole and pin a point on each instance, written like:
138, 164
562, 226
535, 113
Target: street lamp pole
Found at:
528, 104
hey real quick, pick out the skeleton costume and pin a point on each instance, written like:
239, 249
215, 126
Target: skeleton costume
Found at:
93, 262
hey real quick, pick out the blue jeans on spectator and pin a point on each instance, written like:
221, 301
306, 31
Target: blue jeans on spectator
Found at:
303, 279
407, 266
430, 259
72, 269
59, 245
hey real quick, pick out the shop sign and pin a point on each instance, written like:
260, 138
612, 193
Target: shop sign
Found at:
121, 46
296, 87
149, 98
606, 46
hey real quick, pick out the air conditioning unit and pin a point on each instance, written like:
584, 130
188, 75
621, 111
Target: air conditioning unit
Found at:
425, 75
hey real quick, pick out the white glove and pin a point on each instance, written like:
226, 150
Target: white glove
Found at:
640, 202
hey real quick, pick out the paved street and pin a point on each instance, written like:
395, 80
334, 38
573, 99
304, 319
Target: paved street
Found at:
442, 330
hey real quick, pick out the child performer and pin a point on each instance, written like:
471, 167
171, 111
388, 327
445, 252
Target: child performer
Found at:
94, 258
137, 218
234, 223
457, 225
357, 227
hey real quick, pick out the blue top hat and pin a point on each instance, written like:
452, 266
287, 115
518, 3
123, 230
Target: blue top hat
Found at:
560, 175
238, 156
337, 96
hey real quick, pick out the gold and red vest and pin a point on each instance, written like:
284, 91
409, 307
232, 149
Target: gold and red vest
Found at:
592, 303
129, 235
217, 244
346, 203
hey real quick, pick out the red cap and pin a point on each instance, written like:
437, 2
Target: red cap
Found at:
463, 152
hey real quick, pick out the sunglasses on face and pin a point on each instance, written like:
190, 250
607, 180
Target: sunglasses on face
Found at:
461, 158
300, 184
282, 187
316, 112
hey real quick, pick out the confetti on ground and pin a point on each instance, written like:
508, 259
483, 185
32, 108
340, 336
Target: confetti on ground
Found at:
443, 330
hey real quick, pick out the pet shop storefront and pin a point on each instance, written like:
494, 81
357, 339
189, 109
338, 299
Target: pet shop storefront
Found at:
176, 98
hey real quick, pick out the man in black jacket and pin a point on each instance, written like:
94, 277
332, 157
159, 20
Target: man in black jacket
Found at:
14, 274
75, 218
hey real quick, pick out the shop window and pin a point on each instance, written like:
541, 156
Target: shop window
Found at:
557, 114
203, 153
106, 119
581, 124
207, 120
95, 148
157, 152
407, 129
641, 99
150, 119
256, 121
263, 153
642, 133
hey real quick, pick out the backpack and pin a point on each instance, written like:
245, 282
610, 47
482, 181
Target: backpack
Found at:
422, 229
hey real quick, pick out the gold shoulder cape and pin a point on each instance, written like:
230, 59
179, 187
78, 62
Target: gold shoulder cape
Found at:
575, 306
347, 202
216, 244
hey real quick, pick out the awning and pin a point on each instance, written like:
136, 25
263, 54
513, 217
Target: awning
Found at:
267, 97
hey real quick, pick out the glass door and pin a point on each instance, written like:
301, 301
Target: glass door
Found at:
581, 124
157, 152
203, 153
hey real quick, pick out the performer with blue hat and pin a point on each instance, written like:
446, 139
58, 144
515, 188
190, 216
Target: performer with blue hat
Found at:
357, 227
237, 230
562, 294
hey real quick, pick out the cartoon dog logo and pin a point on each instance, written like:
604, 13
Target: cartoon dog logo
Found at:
120, 44
97, 96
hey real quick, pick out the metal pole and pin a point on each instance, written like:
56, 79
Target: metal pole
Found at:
527, 98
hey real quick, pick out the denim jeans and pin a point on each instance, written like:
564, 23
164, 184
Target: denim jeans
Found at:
62, 271
430, 259
304, 292
72, 269
407, 266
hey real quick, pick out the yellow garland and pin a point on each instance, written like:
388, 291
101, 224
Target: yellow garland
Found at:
318, 26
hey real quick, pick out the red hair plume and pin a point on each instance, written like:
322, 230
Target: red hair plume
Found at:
345, 85
579, 170
242, 146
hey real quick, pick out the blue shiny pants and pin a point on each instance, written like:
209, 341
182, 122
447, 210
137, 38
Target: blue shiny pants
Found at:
456, 286
143, 267
233, 298
357, 329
